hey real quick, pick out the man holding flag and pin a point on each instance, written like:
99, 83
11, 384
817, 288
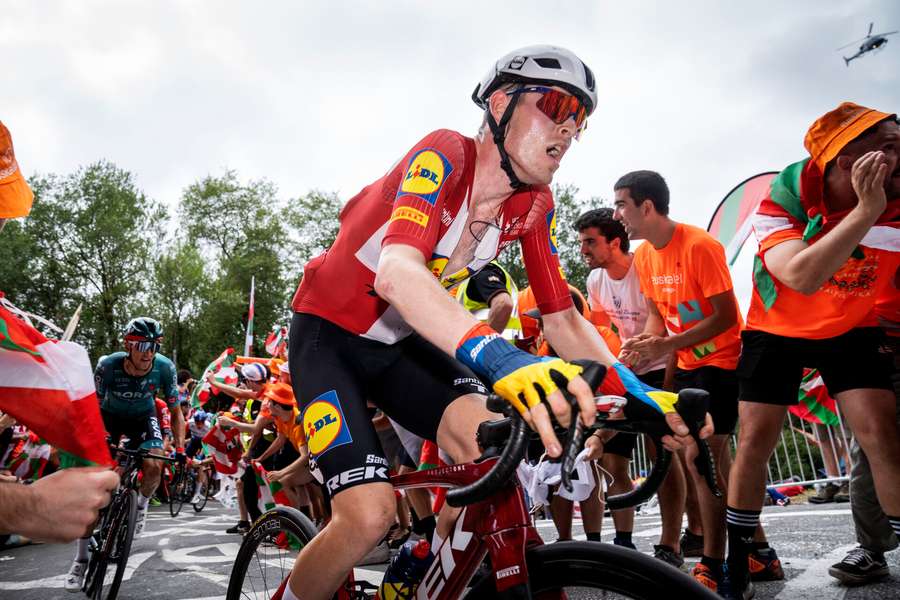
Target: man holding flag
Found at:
46, 385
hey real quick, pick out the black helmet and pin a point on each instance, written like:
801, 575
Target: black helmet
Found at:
143, 328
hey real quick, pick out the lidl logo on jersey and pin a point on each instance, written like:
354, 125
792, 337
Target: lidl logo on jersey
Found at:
324, 424
407, 213
426, 174
551, 226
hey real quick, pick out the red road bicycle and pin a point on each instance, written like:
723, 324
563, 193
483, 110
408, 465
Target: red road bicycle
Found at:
495, 527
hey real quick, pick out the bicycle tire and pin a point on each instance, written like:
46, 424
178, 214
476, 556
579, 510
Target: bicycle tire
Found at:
264, 531
204, 497
553, 567
117, 533
176, 492
122, 544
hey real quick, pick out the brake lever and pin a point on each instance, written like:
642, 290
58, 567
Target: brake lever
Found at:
593, 373
692, 406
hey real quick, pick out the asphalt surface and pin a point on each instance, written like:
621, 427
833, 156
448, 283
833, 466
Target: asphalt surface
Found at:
190, 557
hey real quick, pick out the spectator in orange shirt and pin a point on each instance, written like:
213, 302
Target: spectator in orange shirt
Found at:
828, 248
684, 275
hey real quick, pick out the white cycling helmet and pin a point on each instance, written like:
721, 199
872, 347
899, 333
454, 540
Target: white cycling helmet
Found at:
541, 65
548, 65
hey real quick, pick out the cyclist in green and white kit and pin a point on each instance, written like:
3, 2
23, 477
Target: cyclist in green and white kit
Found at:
127, 385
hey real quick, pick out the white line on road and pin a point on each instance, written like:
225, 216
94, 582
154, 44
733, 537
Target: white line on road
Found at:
57, 581
815, 583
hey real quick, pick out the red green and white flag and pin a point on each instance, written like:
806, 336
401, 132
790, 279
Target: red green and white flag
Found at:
248, 342
815, 406
270, 494
223, 370
276, 341
48, 386
226, 450
731, 222
27, 459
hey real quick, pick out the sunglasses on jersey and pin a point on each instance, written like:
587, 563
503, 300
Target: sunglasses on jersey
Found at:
145, 345
558, 106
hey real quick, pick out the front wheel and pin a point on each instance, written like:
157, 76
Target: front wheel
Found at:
267, 553
205, 492
114, 546
573, 569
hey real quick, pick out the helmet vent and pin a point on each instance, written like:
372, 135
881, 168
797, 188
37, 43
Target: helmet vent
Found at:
588, 77
548, 63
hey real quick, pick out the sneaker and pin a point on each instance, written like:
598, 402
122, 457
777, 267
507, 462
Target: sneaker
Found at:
242, 527
691, 544
705, 576
378, 555
140, 520
667, 555
860, 566
154, 501
196, 497
825, 494
843, 493
399, 538
75, 576
764, 565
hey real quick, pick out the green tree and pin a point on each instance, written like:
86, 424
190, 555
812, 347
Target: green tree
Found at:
179, 284
242, 231
314, 224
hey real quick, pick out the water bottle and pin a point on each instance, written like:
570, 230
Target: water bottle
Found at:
406, 571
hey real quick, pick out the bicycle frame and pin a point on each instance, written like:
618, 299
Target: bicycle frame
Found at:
499, 526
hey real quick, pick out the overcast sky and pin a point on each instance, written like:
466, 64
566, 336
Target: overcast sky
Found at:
328, 95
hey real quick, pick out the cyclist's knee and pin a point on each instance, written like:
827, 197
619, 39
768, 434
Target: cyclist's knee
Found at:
372, 523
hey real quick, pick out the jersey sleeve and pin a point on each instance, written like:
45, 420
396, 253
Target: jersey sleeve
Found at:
488, 282
169, 384
100, 379
541, 257
710, 267
430, 173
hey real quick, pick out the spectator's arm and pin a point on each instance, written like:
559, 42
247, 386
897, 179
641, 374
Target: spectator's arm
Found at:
499, 311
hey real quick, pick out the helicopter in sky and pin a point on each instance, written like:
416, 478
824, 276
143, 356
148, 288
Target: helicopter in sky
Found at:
869, 43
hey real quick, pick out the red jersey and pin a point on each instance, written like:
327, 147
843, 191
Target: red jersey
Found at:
423, 201
163, 415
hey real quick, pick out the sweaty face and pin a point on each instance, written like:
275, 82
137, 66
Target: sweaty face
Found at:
535, 143
627, 213
595, 250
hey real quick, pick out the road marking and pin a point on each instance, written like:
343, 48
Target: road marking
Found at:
58, 581
226, 553
815, 583
164, 542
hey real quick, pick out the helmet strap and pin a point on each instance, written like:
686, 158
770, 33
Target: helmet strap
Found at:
498, 130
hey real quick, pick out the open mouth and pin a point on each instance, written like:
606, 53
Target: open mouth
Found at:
555, 151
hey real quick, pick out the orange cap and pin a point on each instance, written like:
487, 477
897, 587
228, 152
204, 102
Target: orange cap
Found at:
281, 393
15, 195
834, 130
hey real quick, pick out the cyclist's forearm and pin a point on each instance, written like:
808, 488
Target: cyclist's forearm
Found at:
574, 337
178, 428
405, 282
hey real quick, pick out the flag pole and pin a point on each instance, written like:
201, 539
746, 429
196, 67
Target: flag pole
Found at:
73, 323
248, 341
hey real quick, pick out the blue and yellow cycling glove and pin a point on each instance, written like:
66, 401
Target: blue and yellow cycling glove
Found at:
520, 378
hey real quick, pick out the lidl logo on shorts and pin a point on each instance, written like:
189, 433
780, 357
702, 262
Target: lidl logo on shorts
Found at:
551, 226
427, 172
324, 424
408, 213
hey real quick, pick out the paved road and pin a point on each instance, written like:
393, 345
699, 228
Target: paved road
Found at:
190, 557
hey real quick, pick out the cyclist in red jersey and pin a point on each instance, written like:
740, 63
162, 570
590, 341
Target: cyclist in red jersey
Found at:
373, 319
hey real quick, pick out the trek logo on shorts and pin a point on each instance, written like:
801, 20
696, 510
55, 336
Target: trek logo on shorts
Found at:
551, 226
426, 174
324, 424
408, 213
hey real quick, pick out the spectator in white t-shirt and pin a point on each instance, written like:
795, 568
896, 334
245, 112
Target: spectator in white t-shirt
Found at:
614, 295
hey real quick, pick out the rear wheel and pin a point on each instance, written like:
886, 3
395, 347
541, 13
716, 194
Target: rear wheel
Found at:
581, 569
267, 553
206, 492
177, 490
